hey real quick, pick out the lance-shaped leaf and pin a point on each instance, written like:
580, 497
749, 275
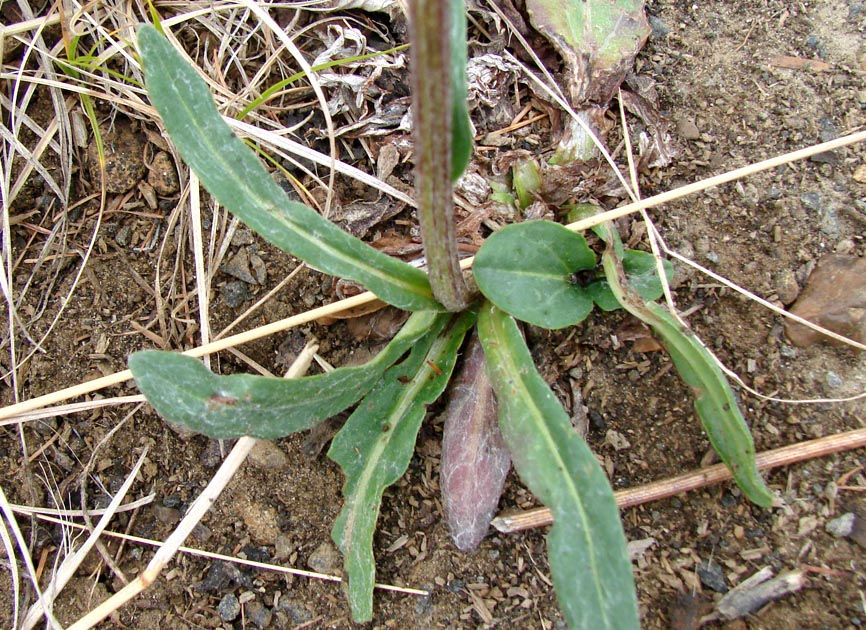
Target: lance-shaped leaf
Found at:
527, 269
586, 546
475, 461
714, 400
234, 176
184, 391
375, 445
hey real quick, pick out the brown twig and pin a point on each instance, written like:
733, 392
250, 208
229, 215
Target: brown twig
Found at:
509, 523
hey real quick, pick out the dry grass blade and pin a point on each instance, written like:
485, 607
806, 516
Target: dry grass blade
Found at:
71, 563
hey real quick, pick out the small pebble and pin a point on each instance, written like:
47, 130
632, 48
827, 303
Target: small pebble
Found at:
229, 608
238, 266
833, 380
259, 614
283, 547
786, 286
325, 559
296, 611
834, 297
235, 293
812, 200
242, 237
222, 576
842, 526
268, 456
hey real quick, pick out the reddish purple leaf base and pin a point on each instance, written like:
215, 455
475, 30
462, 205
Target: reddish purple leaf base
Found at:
475, 460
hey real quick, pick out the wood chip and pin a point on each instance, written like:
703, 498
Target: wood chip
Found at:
759, 590
799, 63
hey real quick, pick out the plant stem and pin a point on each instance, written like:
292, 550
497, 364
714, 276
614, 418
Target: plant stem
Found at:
430, 33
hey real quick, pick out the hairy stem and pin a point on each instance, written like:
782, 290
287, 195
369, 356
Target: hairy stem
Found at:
430, 32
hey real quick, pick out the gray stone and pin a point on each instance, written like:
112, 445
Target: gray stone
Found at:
325, 559
238, 266
259, 614
236, 293
842, 526
229, 608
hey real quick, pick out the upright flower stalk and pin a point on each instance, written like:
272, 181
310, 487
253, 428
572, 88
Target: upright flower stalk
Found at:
439, 117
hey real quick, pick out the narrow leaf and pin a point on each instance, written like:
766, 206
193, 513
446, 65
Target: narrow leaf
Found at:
461, 127
714, 400
526, 270
235, 177
183, 390
375, 445
586, 546
475, 461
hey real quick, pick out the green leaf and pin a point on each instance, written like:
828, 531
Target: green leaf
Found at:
526, 174
641, 275
714, 400
375, 445
586, 546
183, 390
235, 177
598, 40
461, 127
526, 270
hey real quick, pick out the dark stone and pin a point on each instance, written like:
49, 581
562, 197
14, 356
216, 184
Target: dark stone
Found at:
223, 576
235, 293
712, 576
597, 420
295, 611
256, 554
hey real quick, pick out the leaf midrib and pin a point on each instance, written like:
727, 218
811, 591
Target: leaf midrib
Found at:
507, 357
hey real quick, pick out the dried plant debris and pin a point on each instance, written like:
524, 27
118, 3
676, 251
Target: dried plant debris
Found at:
758, 591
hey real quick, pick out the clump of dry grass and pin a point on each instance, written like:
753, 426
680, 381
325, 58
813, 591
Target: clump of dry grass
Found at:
82, 57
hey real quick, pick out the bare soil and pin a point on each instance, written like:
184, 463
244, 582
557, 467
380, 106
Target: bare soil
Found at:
727, 105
